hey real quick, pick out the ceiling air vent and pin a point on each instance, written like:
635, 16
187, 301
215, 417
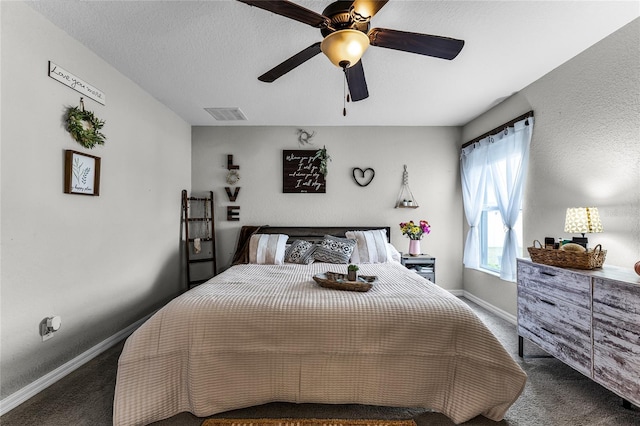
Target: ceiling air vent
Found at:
227, 114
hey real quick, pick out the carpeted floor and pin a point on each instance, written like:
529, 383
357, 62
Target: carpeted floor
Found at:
555, 395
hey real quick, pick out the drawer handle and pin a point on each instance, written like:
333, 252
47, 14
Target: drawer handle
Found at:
547, 273
547, 302
547, 330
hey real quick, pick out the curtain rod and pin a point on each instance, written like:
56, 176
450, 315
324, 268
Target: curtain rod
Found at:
499, 128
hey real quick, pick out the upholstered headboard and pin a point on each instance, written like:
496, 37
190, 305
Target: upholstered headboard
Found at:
316, 233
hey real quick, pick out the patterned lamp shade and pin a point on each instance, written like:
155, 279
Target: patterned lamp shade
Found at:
582, 220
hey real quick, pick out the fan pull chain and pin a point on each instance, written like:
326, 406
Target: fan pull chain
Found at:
344, 96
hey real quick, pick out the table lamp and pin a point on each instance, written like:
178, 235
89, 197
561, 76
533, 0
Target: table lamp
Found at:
582, 220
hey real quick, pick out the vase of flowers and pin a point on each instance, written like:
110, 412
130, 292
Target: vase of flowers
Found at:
415, 232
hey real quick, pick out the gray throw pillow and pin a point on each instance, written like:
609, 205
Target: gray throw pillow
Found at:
300, 251
334, 250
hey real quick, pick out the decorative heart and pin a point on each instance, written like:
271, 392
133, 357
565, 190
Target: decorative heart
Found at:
365, 177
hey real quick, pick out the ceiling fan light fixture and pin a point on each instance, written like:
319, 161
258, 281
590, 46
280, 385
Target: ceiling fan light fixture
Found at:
344, 48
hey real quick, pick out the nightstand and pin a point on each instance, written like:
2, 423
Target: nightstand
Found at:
424, 265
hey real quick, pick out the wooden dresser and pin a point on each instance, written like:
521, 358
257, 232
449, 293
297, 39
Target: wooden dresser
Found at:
589, 320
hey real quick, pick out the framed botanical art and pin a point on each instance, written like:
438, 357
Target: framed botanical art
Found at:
81, 173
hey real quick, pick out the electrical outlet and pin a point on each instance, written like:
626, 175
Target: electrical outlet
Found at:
48, 326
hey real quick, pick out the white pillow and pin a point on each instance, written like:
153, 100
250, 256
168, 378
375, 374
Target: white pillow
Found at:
371, 246
267, 249
394, 254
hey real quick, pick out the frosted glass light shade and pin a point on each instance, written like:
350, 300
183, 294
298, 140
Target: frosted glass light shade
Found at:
582, 220
344, 48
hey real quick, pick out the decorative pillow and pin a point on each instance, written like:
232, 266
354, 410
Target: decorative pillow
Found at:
300, 251
267, 249
334, 249
371, 246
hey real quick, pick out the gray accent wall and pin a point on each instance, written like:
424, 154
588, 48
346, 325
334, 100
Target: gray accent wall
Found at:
585, 151
101, 263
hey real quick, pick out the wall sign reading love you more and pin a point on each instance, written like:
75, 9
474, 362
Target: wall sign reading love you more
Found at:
363, 177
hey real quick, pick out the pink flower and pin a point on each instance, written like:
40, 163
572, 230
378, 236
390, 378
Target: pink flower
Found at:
424, 225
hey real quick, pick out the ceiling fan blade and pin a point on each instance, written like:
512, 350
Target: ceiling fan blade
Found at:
368, 8
422, 44
356, 81
294, 61
291, 10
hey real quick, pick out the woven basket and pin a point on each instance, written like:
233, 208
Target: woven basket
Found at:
590, 259
338, 281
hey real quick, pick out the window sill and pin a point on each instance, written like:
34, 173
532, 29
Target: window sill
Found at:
490, 272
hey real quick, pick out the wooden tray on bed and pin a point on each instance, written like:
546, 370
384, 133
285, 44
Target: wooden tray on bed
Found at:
338, 281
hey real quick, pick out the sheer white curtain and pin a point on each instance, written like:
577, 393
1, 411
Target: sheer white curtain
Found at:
508, 158
499, 161
473, 174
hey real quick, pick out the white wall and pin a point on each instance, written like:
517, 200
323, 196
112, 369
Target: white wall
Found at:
102, 262
585, 151
431, 155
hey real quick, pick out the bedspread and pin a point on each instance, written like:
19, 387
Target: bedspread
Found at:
264, 333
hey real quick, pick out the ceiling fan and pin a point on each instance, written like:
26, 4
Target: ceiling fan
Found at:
345, 28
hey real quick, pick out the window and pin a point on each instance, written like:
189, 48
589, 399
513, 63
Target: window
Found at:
493, 171
492, 232
492, 239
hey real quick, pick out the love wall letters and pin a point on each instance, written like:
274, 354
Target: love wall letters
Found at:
233, 212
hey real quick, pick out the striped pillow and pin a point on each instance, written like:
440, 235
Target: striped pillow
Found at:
334, 250
371, 246
267, 249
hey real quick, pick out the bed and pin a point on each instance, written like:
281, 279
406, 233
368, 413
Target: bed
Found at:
260, 333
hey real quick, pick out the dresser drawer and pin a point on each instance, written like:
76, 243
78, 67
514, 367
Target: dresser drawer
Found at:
556, 283
616, 337
616, 356
558, 327
617, 299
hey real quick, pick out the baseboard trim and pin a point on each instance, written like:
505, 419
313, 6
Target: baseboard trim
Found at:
32, 389
489, 307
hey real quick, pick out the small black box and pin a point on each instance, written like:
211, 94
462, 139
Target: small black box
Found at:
548, 242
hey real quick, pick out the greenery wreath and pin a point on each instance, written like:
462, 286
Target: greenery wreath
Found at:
233, 177
85, 127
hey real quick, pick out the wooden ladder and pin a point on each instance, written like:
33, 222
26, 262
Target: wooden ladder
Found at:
207, 242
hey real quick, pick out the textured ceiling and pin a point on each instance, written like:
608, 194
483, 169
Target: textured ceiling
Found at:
192, 55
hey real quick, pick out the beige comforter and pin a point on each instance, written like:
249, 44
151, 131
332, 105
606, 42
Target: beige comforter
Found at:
262, 333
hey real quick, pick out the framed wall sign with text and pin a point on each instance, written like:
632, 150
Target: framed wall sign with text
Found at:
81, 173
301, 172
